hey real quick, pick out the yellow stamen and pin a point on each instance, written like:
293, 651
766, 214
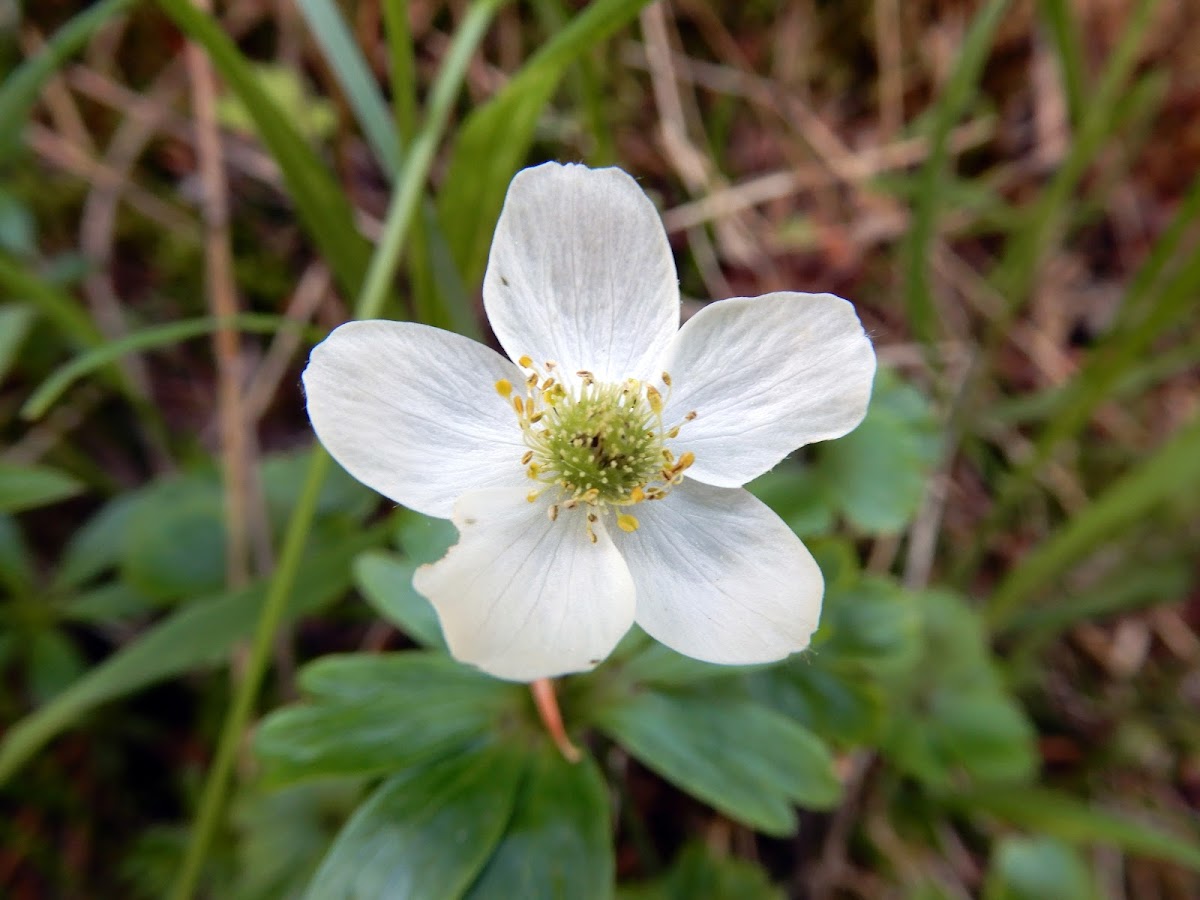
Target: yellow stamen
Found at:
504, 387
637, 495
525, 362
627, 523
655, 399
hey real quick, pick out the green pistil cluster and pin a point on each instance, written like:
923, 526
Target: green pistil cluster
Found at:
601, 445
604, 439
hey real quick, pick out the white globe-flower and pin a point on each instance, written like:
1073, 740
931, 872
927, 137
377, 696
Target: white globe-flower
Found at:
596, 478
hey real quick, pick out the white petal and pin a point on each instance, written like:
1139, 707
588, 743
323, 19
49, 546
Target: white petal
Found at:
580, 273
766, 375
412, 412
720, 577
524, 598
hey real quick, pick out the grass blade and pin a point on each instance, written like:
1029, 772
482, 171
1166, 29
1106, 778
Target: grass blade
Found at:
22, 88
960, 88
495, 138
320, 202
1172, 470
146, 339
329, 30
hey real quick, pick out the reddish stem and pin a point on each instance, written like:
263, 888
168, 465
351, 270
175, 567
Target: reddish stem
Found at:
547, 707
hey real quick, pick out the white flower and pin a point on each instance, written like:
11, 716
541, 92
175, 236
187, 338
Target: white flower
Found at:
590, 488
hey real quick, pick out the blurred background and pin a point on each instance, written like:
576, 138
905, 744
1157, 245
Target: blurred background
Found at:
1008, 677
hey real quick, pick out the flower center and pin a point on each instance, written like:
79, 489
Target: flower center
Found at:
600, 445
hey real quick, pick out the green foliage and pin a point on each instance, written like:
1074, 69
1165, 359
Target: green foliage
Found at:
385, 580
1034, 868
955, 717
495, 139
376, 715
700, 875
876, 474
476, 802
725, 748
28, 487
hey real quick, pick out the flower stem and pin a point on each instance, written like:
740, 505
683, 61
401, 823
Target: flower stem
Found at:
548, 711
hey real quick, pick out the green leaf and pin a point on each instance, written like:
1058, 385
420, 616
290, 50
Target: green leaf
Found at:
734, 754
17, 572
1036, 868
22, 88
797, 496
955, 716
423, 538
315, 117
1076, 821
328, 28
108, 351
873, 622
1171, 471
108, 604
198, 635
17, 233
282, 835
321, 204
15, 321
425, 833
700, 875
840, 702
379, 714
96, 547
876, 474
953, 101
386, 581
174, 544
28, 487
558, 843
495, 138
53, 664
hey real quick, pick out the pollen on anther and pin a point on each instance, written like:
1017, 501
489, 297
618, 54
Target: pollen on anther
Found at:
525, 362
627, 523
504, 387
637, 495
527, 457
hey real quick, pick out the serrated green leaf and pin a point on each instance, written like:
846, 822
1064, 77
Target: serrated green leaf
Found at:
1037, 868
29, 487
386, 581
558, 843
380, 714
740, 757
426, 833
